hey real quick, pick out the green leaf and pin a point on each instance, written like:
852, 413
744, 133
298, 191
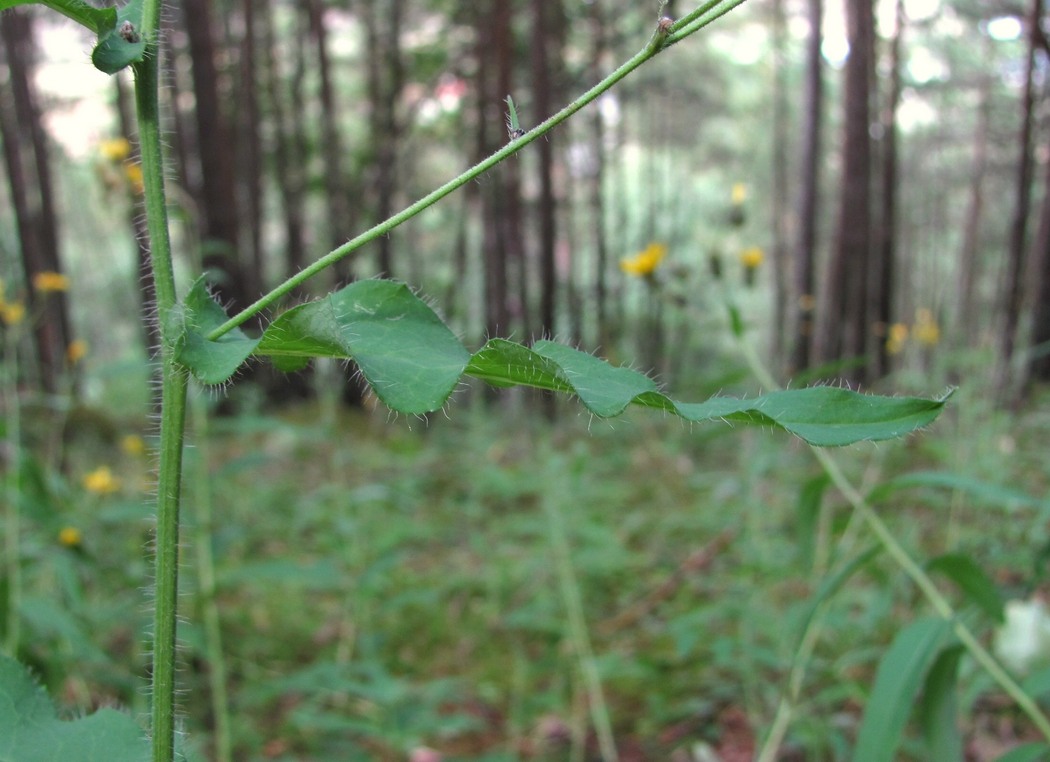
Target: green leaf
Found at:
1028, 752
939, 708
122, 44
987, 492
833, 583
98, 20
30, 731
900, 675
972, 580
409, 357
212, 362
414, 362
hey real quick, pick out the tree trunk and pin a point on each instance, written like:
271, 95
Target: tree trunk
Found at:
385, 81
844, 329
779, 252
250, 153
596, 184
547, 20
966, 308
32, 195
1013, 286
883, 270
809, 192
218, 209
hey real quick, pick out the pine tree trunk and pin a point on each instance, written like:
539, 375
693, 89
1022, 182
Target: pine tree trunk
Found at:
32, 194
809, 193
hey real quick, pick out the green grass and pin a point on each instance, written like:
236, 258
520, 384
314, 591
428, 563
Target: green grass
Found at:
385, 585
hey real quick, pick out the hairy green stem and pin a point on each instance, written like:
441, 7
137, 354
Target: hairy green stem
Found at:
173, 395
659, 41
919, 577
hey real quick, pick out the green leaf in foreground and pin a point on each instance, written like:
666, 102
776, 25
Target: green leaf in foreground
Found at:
122, 44
900, 675
98, 20
30, 731
414, 362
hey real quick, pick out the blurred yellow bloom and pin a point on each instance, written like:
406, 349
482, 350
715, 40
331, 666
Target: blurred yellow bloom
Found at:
76, 351
12, 313
807, 302
70, 537
48, 282
101, 481
897, 338
644, 262
926, 331
114, 149
132, 444
133, 174
752, 257
739, 194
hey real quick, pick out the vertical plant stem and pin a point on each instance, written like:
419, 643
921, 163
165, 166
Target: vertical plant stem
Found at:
173, 393
12, 507
581, 642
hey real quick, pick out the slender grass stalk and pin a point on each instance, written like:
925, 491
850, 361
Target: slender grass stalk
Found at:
919, 577
578, 633
173, 393
661, 39
205, 568
12, 509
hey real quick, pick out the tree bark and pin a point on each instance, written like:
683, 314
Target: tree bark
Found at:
844, 329
779, 253
809, 192
218, 209
1013, 286
32, 194
883, 270
596, 184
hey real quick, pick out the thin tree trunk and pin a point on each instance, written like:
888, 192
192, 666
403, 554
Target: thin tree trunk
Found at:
29, 176
809, 192
596, 184
385, 83
546, 16
218, 212
883, 271
251, 150
1012, 294
966, 307
844, 324
779, 253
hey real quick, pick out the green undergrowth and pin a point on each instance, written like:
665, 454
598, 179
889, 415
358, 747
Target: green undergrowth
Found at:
388, 585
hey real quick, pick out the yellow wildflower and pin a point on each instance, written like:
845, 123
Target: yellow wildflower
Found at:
644, 263
133, 174
752, 257
101, 481
71, 537
12, 313
897, 338
926, 331
76, 351
739, 194
48, 281
132, 444
115, 149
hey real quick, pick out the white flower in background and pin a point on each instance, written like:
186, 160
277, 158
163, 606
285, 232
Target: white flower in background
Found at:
1023, 641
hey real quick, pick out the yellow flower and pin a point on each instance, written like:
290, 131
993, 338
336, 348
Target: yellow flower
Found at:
133, 174
70, 537
101, 481
12, 313
739, 194
752, 257
115, 149
897, 338
76, 351
644, 262
47, 282
926, 331
132, 444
